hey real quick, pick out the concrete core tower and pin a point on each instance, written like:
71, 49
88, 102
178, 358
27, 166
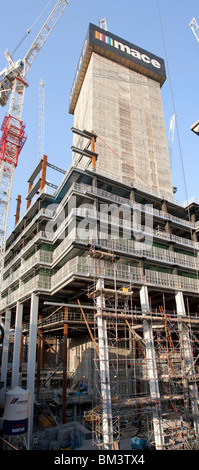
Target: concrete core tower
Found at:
117, 94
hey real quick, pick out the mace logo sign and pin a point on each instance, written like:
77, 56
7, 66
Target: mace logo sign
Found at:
127, 49
117, 50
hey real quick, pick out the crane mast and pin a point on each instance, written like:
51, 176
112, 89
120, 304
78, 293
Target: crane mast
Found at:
171, 137
41, 117
12, 81
11, 143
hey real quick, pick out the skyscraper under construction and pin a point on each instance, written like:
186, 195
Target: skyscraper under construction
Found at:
116, 93
100, 280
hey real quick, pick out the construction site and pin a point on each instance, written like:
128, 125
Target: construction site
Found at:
99, 276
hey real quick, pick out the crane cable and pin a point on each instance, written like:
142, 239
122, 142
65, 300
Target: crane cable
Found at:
173, 101
178, 134
29, 29
122, 160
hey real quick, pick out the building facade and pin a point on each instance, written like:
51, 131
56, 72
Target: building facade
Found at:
101, 276
117, 94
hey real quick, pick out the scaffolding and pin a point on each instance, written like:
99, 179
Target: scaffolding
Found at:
130, 378
140, 357
161, 406
127, 401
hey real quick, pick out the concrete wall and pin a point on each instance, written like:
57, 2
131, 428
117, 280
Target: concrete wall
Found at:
80, 359
124, 108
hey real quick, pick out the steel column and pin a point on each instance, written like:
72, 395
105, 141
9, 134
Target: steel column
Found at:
18, 209
43, 172
4, 361
64, 365
17, 345
152, 371
107, 426
32, 361
188, 362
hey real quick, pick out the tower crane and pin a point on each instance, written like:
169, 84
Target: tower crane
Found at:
171, 137
41, 117
13, 82
195, 28
103, 24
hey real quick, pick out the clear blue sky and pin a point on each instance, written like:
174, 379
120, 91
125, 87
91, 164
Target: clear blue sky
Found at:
137, 22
